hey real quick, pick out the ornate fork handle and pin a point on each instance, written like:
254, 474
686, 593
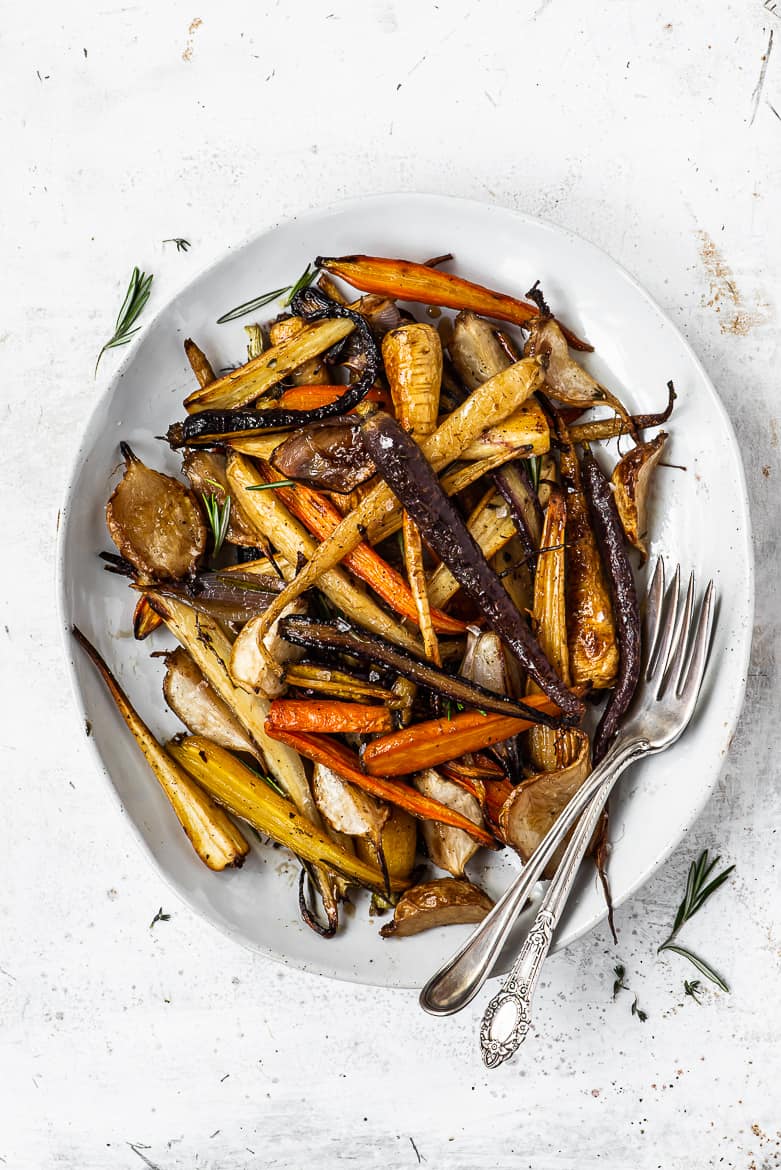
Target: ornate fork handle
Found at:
518, 989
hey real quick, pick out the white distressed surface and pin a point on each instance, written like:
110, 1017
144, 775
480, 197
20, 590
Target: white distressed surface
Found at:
638, 127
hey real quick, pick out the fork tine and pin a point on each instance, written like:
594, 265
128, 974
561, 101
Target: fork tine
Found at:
695, 672
653, 608
675, 666
668, 614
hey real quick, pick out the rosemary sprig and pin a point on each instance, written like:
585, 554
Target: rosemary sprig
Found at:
698, 890
135, 299
181, 245
304, 280
218, 516
693, 988
535, 470
264, 487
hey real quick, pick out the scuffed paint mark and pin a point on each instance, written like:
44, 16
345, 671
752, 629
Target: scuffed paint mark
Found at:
757, 94
723, 293
195, 24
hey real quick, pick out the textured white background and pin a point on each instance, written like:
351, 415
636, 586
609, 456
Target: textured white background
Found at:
643, 127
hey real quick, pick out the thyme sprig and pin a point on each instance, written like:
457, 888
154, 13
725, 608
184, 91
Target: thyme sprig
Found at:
181, 244
620, 984
698, 890
135, 299
288, 291
692, 988
218, 514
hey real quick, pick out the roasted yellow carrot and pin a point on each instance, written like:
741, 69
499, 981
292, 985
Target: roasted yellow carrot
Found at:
145, 620
199, 363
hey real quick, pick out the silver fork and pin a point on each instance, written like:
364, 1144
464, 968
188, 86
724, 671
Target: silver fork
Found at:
663, 706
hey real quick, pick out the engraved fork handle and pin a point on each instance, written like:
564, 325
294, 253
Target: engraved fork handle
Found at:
458, 981
497, 1043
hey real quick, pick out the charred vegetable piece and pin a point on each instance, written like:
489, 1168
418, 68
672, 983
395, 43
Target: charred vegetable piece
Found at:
155, 522
321, 517
205, 471
308, 397
322, 749
338, 683
326, 455
368, 647
404, 280
200, 709
536, 804
145, 620
199, 363
523, 434
249, 660
252, 380
489, 404
487, 664
213, 594
447, 847
436, 741
611, 428
209, 829
566, 379
591, 635
348, 810
247, 796
328, 716
273, 520
443, 902
492, 527
408, 473
631, 479
202, 429
626, 612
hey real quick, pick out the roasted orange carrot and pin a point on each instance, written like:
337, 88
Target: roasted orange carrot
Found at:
406, 281
310, 397
324, 750
321, 517
144, 619
424, 745
329, 716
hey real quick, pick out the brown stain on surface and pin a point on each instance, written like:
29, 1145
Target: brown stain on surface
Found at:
723, 295
195, 24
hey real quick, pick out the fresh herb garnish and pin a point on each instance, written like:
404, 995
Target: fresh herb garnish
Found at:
135, 298
271, 783
263, 487
304, 280
181, 245
535, 470
698, 890
693, 988
160, 917
620, 984
218, 516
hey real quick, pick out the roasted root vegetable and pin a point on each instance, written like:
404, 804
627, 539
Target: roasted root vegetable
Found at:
413, 365
492, 527
612, 428
326, 455
631, 480
535, 804
398, 844
405, 469
443, 902
250, 381
610, 537
155, 522
200, 708
312, 372
328, 716
475, 350
321, 517
565, 378
205, 471
321, 749
434, 741
313, 634
591, 635
199, 363
339, 684
248, 796
210, 831
404, 280
249, 660
145, 620
447, 847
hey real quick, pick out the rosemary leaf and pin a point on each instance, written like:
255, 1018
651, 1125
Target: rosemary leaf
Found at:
251, 306
699, 963
264, 487
135, 299
304, 281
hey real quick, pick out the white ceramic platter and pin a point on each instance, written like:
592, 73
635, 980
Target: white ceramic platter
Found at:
699, 517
